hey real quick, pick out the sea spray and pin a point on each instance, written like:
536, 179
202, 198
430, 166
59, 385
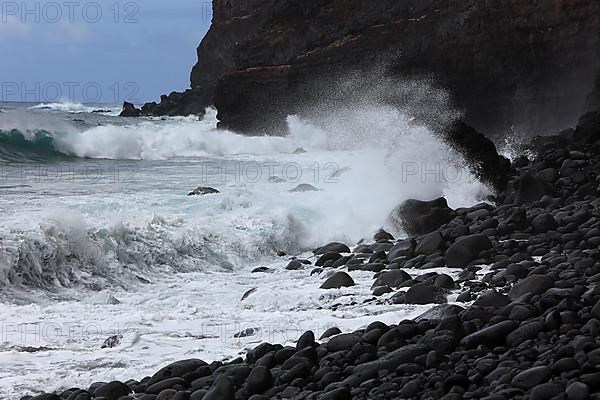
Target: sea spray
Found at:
128, 182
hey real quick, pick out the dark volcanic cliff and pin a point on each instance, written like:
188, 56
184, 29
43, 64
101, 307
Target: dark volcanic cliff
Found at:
518, 63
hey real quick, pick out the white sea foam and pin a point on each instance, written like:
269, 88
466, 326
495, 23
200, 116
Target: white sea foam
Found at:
77, 108
179, 265
360, 180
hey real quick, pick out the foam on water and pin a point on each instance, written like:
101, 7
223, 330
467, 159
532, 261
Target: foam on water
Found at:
188, 316
134, 228
179, 265
76, 108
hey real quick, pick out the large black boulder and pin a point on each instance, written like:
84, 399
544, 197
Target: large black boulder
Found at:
480, 153
129, 110
390, 361
534, 284
588, 128
393, 278
423, 293
543, 223
338, 280
176, 369
333, 247
430, 243
222, 389
345, 341
528, 189
112, 390
532, 377
491, 335
404, 248
467, 249
418, 217
259, 380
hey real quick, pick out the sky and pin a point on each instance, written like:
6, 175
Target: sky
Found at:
106, 51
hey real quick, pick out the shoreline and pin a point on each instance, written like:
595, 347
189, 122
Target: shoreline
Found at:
531, 331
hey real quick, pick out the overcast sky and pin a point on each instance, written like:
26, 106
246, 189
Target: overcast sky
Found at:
98, 50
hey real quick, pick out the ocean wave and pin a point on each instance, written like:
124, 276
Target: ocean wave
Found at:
66, 251
76, 108
145, 140
241, 226
35, 146
382, 156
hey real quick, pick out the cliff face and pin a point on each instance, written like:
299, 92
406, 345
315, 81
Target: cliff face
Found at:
233, 22
505, 62
527, 64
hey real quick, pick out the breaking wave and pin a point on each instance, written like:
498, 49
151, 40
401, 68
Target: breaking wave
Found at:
77, 108
369, 159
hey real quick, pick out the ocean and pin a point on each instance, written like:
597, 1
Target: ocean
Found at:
99, 238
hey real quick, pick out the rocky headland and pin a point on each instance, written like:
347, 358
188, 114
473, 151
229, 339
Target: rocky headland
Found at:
506, 64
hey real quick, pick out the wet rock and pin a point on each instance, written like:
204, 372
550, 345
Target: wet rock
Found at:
430, 243
129, 110
543, 223
530, 189
248, 293
417, 217
404, 248
340, 262
404, 355
304, 187
373, 267
176, 369
338, 280
79, 395
423, 293
246, 332
327, 257
262, 270
546, 391
381, 290
466, 250
112, 390
112, 341
294, 265
525, 332
202, 191
444, 281
480, 153
330, 332
343, 341
393, 279
222, 389
494, 334
587, 130
578, 391
383, 235
259, 380
492, 298
165, 384
334, 247
534, 284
